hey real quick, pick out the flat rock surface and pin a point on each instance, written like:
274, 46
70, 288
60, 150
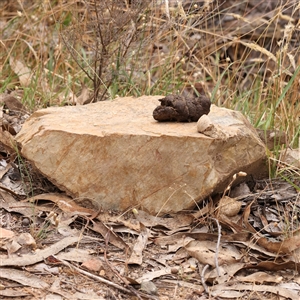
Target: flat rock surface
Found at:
115, 153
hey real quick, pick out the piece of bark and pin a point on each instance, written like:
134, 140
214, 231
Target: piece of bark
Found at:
181, 109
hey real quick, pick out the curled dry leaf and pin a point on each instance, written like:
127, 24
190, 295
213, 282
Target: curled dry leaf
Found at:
84, 97
64, 202
7, 140
173, 223
139, 246
109, 234
22, 277
26, 240
23, 72
260, 277
291, 158
4, 234
30, 259
226, 271
76, 255
230, 289
205, 251
287, 246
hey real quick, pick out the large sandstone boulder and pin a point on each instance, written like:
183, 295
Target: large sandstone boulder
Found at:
115, 153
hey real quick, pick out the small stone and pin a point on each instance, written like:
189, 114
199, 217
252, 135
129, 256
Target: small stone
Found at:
149, 287
25, 222
229, 207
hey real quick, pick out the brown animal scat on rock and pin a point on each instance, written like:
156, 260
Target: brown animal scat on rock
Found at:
181, 109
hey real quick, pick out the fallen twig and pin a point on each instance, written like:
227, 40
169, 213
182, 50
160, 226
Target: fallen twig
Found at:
202, 276
218, 246
98, 278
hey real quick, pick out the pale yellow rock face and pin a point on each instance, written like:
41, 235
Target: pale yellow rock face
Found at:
115, 153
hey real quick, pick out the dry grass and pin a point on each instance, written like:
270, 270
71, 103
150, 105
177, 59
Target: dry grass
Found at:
244, 54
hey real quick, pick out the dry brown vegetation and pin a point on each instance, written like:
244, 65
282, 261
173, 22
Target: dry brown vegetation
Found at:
245, 55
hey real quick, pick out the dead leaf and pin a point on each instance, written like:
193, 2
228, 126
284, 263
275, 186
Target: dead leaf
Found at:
154, 274
179, 220
8, 140
205, 252
108, 233
221, 290
13, 293
11, 246
64, 202
10, 204
106, 217
4, 233
260, 277
189, 285
226, 272
179, 243
56, 290
285, 247
204, 211
30, 259
43, 268
14, 105
246, 218
136, 256
84, 97
93, 264
76, 255
20, 69
232, 224
26, 240
24, 278
290, 286
273, 266
64, 98
201, 236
